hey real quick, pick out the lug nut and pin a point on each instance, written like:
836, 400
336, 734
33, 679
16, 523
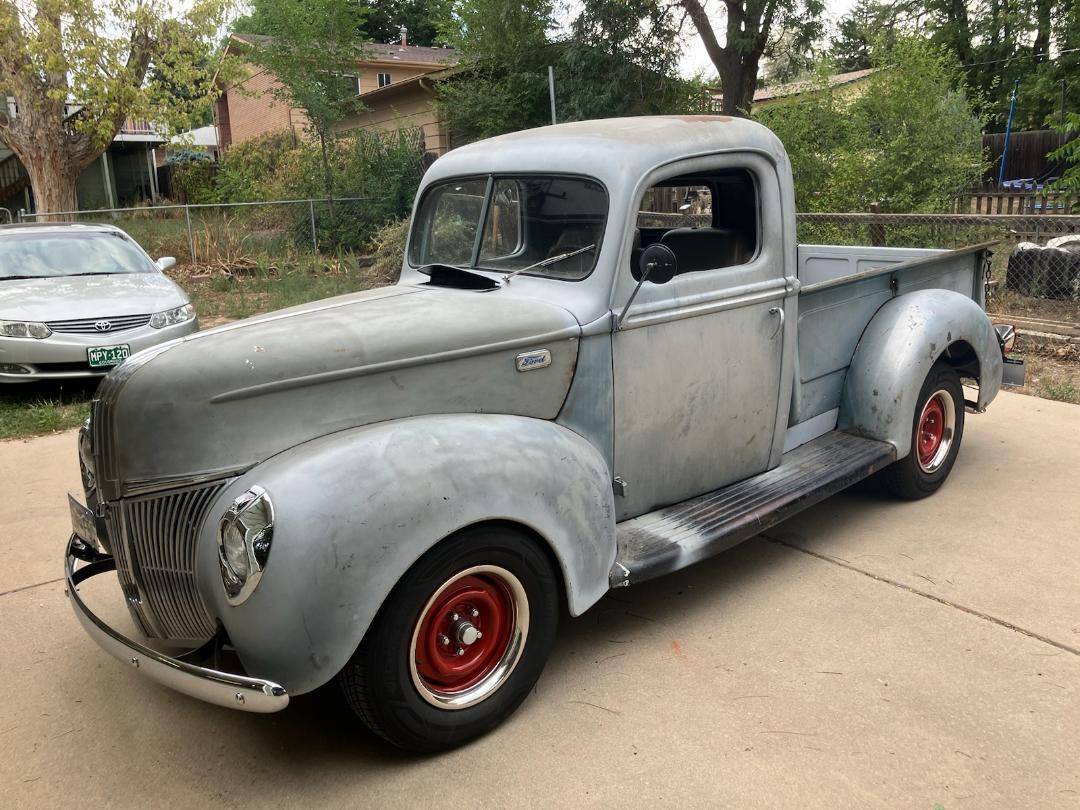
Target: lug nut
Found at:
444, 640
454, 617
479, 635
474, 613
460, 650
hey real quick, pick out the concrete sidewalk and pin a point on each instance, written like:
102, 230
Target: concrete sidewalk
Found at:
868, 652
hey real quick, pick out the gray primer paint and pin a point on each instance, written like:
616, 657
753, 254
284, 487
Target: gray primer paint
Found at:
354, 510
912, 332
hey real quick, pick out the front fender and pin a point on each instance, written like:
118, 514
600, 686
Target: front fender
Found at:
896, 351
354, 510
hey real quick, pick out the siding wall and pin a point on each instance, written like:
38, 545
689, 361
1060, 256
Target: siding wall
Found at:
414, 107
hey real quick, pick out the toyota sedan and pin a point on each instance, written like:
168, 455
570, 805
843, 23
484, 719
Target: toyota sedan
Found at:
77, 300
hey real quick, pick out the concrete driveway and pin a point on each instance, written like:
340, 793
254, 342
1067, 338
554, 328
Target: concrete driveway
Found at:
868, 652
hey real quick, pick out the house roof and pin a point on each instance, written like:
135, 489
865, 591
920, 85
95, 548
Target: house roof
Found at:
775, 91
201, 136
380, 52
394, 88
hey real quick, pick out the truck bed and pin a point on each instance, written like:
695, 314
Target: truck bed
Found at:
842, 287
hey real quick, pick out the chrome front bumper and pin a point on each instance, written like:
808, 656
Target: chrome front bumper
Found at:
226, 689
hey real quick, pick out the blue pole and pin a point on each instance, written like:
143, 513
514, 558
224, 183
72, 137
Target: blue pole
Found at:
1008, 131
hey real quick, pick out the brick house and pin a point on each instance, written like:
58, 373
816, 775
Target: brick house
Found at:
393, 80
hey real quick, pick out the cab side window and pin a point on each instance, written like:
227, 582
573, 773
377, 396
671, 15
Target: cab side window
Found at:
709, 221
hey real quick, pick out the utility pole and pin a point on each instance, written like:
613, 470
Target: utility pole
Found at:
551, 91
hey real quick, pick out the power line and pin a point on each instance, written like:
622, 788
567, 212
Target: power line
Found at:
1023, 56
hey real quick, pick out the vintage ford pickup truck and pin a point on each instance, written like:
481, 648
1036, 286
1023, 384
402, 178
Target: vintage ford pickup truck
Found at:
606, 358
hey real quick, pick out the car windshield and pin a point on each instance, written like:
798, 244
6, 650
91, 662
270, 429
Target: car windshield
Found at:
541, 225
55, 254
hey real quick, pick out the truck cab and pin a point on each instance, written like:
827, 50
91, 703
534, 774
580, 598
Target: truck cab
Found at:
606, 358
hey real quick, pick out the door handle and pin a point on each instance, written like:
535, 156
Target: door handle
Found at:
779, 327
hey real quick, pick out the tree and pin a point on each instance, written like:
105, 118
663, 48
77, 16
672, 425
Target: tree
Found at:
753, 28
911, 141
866, 23
77, 70
621, 58
422, 19
312, 47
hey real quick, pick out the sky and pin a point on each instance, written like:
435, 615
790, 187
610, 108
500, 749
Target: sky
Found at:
695, 60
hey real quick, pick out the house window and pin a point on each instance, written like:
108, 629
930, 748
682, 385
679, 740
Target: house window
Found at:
384, 79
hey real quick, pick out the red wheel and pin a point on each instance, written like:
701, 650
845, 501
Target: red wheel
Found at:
936, 431
460, 641
934, 435
469, 637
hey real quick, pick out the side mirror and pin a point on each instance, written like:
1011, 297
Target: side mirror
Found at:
165, 262
657, 264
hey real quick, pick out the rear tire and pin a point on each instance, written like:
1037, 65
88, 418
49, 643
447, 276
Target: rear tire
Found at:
459, 643
936, 431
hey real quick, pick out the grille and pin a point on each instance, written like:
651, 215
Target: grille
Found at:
88, 326
155, 561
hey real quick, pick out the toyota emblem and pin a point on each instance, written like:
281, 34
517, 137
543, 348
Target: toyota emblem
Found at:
103, 326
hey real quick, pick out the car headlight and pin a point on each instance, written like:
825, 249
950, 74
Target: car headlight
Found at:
24, 329
171, 317
245, 534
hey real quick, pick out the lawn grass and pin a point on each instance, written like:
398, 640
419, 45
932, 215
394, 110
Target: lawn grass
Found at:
32, 409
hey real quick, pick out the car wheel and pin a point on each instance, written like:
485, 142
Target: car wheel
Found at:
936, 432
459, 643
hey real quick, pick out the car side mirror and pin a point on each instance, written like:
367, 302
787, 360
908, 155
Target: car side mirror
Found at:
657, 264
165, 262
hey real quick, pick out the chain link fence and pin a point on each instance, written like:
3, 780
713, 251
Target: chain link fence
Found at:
1034, 272
237, 235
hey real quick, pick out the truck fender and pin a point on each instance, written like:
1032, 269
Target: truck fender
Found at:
906, 336
354, 510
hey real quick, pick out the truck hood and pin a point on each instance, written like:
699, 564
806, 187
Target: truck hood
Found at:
223, 400
100, 296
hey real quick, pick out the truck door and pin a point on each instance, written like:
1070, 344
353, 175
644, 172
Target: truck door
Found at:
697, 361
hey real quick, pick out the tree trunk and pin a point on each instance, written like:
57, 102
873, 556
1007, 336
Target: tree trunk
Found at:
52, 181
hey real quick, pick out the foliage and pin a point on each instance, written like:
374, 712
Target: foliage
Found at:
1069, 154
422, 18
249, 168
310, 46
753, 29
192, 175
911, 141
79, 68
620, 59
388, 249
995, 42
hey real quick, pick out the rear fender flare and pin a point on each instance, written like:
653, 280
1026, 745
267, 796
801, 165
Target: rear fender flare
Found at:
895, 353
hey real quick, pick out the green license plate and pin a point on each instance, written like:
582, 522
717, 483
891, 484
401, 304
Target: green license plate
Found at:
105, 356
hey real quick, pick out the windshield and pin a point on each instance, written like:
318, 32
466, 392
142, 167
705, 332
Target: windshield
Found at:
54, 254
527, 221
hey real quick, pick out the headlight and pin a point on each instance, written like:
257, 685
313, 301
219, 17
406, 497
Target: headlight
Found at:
171, 317
24, 329
245, 534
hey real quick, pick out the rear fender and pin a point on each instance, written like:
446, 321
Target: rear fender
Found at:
896, 351
354, 510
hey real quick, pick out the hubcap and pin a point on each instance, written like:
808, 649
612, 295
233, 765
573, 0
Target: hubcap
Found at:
469, 637
934, 435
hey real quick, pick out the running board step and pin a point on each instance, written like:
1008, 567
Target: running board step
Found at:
676, 536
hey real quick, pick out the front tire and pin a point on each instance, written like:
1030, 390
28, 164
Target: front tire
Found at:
459, 643
936, 431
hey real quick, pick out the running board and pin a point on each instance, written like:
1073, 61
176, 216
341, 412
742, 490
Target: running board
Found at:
676, 536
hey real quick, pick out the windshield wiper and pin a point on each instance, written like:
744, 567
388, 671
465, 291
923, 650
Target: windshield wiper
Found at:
548, 262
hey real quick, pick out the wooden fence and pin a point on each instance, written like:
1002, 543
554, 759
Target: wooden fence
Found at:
992, 199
